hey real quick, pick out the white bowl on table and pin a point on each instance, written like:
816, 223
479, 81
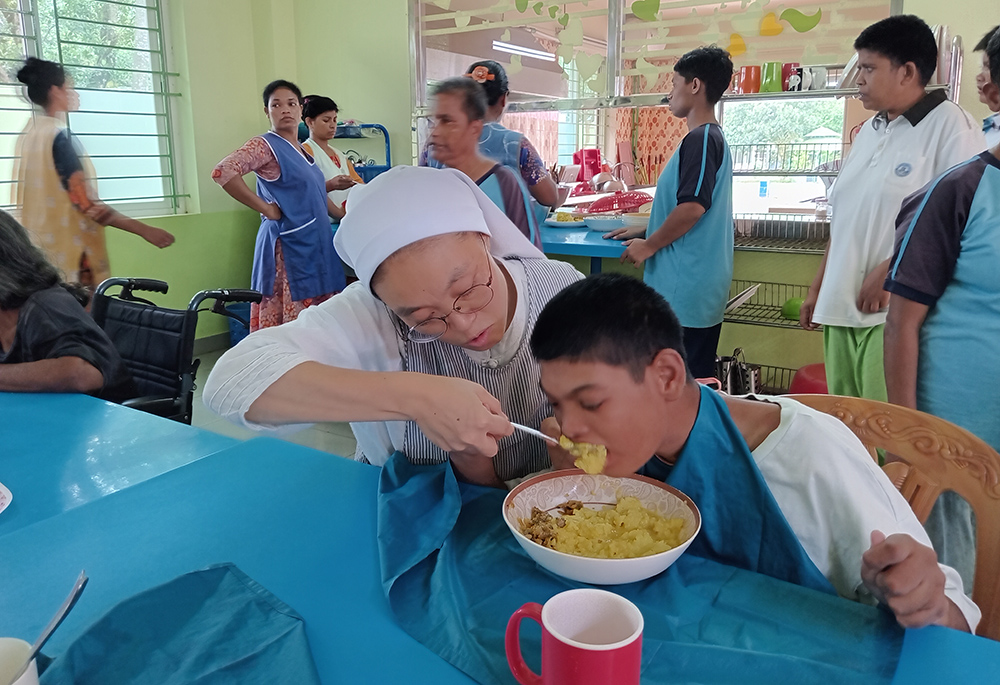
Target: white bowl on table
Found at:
635, 219
549, 490
603, 222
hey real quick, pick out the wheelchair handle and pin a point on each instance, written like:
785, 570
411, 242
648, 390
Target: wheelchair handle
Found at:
129, 284
234, 295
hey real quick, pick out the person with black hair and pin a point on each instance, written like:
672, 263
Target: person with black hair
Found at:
783, 489
687, 247
458, 109
320, 116
914, 136
295, 264
944, 317
510, 148
55, 183
48, 342
989, 93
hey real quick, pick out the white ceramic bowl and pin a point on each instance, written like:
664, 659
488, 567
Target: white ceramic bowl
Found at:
635, 219
603, 222
549, 490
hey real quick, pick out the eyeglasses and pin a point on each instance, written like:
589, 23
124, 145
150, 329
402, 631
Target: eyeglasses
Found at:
471, 301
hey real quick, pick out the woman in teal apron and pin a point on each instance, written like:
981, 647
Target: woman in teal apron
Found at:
295, 264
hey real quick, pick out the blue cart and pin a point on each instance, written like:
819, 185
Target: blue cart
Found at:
367, 171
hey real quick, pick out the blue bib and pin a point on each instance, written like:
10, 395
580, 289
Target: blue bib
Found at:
453, 574
311, 262
742, 524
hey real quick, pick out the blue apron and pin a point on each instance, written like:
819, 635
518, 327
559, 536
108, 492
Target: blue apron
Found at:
742, 524
311, 262
453, 574
491, 186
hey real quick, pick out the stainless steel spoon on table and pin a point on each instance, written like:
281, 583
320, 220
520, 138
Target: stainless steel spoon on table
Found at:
68, 603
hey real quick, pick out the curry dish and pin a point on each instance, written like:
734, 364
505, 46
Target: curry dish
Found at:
623, 531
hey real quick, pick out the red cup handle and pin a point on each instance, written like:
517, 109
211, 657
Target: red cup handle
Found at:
522, 673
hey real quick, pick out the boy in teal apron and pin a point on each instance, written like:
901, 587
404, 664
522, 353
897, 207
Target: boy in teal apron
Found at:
783, 490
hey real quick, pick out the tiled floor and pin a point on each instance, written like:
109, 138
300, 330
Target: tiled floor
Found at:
335, 438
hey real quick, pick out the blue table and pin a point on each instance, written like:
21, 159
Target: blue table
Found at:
299, 521
580, 242
60, 451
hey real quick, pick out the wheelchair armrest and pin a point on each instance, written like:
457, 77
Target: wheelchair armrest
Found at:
161, 405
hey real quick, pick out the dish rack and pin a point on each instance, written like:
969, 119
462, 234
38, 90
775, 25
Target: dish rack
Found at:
804, 233
764, 307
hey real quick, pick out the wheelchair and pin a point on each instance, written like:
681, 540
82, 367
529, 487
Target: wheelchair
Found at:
156, 343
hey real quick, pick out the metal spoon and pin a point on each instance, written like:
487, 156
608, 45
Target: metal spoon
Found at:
68, 603
537, 434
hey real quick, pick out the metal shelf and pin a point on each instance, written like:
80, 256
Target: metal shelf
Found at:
774, 380
764, 308
748, 244
774, 232
792, 95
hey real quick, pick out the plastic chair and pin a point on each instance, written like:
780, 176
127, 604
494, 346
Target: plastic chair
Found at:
156, 343
936, 456
811, 379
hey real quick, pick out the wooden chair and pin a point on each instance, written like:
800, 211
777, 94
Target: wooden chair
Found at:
936, 456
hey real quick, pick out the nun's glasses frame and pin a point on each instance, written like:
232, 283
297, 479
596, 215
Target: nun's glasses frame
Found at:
473, 300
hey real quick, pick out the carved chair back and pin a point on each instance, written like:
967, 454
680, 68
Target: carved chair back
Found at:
936, 455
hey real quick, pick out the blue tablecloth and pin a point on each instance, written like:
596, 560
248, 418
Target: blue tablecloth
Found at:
298, 521
60, 451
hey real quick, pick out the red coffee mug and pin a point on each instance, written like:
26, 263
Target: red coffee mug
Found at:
589, 637
787, 69
750, 79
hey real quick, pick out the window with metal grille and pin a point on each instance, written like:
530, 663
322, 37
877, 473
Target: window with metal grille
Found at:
114, 52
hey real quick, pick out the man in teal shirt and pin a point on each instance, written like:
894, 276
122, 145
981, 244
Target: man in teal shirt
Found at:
687, 247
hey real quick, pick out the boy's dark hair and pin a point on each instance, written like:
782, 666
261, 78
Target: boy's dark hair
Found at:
39, 76
609, 318
495, 87
712, 66
473, 95
901, 39
985, 40
993, 54
314, 105
280, 83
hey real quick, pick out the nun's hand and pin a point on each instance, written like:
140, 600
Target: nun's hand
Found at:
459, 416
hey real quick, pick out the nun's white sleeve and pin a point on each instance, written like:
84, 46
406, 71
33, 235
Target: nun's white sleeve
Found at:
351, 330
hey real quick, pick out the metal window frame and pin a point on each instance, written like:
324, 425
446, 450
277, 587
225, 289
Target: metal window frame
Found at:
172, 199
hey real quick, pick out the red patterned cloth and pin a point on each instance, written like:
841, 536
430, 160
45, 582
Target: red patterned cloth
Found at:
255, 155
653, 133
280, 308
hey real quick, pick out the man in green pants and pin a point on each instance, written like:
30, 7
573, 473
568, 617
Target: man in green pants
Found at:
914, 137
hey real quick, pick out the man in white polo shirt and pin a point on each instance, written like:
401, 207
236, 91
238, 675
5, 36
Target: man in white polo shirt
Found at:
914, 137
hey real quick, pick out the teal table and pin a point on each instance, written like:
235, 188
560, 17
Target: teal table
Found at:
299, 521
580, 242
58, 451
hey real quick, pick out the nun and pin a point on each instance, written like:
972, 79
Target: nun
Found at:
427, 353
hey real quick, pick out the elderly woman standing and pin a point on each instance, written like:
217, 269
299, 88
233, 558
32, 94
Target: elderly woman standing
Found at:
295, 264
427, 353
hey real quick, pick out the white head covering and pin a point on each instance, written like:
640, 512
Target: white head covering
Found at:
407, 204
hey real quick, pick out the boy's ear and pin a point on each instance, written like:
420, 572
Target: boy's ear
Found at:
669, 373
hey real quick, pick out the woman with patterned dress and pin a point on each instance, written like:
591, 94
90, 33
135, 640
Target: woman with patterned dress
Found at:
295, 264
54, 190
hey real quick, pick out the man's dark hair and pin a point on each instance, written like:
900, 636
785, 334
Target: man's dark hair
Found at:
985, 40
993, 55
901, 39
24, 270
609, 318
473, 95
712, 66
280, 83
